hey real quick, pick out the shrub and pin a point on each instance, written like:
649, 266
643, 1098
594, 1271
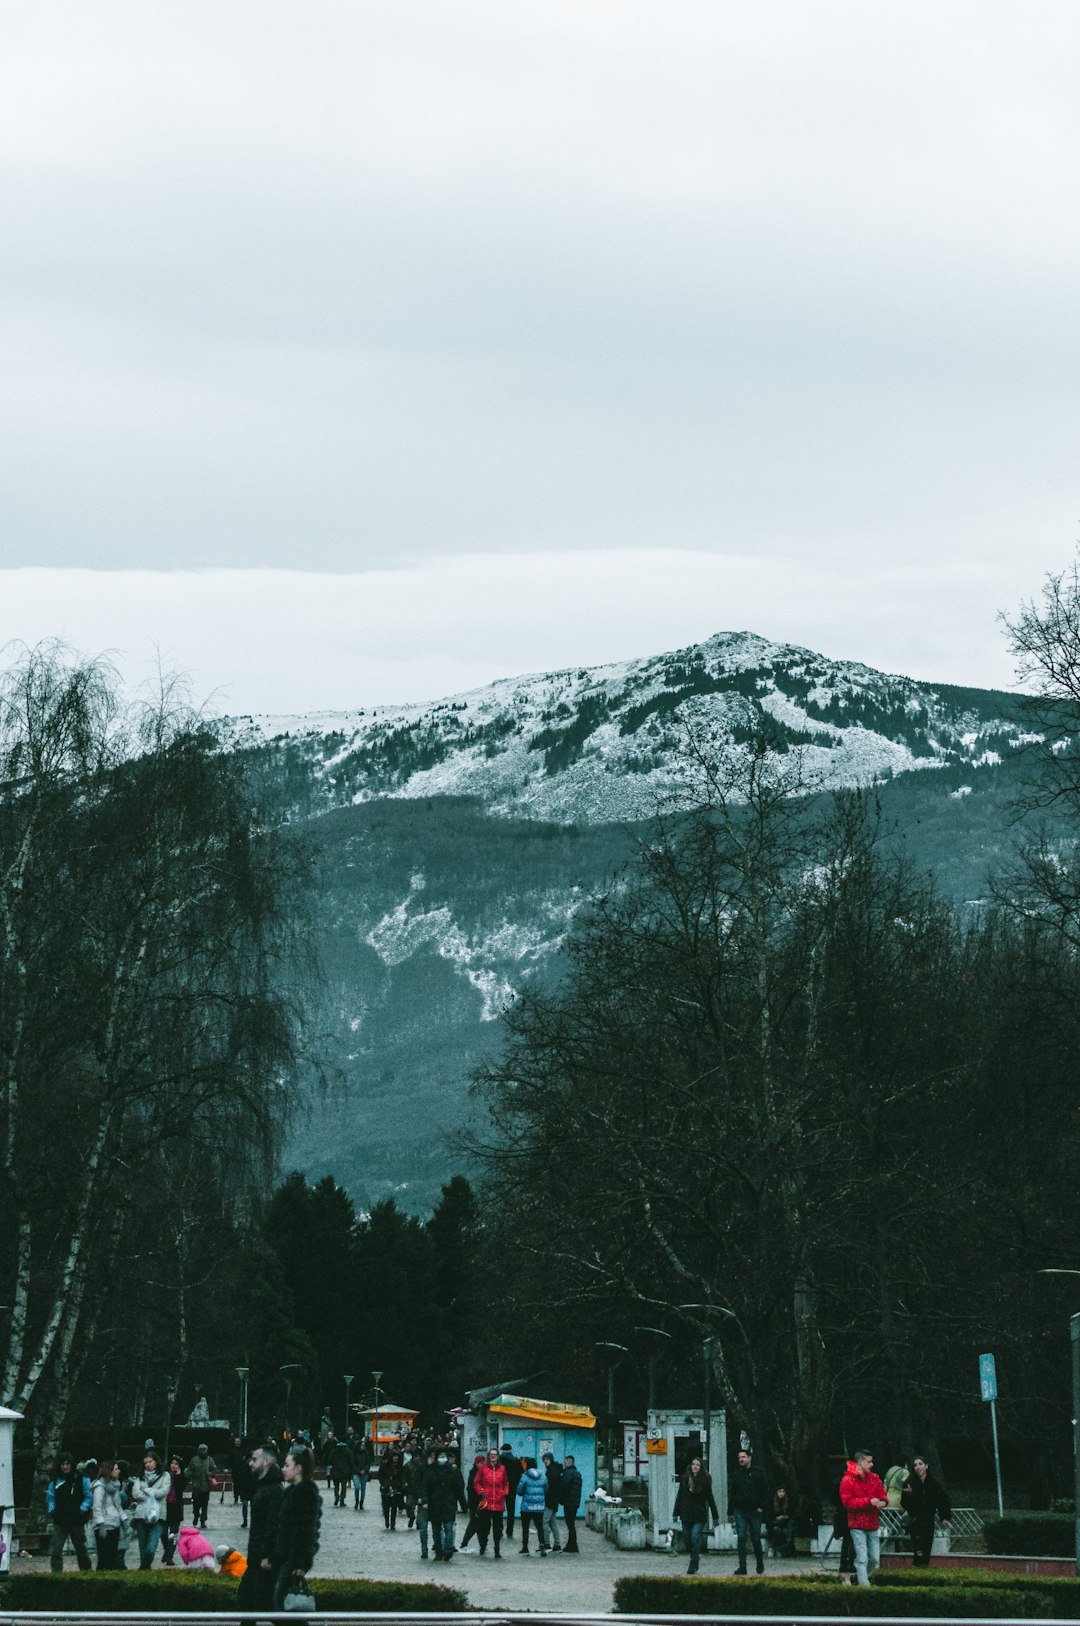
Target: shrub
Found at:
1051, 1535
1063, 1591
179, 1593
697, 1595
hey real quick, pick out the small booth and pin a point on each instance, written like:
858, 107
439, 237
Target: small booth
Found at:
386, 1424
530, 1428
8, 1419
673, 1436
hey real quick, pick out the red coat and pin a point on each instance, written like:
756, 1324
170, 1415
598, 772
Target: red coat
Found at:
856, 1491
492, 1486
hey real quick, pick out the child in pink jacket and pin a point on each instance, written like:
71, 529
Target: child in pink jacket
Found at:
195, 1551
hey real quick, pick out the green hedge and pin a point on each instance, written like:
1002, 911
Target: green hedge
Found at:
804, 1595
1063, 1591
180, 1592
1032, 1535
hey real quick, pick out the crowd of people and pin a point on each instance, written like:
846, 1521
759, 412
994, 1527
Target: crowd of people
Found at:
422, 1488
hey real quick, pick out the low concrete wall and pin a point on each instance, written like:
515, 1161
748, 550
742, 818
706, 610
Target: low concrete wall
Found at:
1005, 1563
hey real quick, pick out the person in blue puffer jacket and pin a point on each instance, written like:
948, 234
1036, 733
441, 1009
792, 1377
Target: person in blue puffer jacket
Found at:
532, 1488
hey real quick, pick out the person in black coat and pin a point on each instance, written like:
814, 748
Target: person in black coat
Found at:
570, 1490
749, 1497
924, 1496
514, 1471
693, 1505
444, 1494
296, 1535
256, 1589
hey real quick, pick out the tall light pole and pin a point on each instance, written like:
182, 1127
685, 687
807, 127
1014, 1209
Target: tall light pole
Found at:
612, 1364
287, 1373
348, 1385
242, 1374
1074, 1339
377, 1379
706, 1351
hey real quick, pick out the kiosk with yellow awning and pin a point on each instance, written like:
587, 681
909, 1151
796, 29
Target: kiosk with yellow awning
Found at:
530, 1427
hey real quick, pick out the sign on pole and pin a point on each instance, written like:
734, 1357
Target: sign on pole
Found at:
988, 1391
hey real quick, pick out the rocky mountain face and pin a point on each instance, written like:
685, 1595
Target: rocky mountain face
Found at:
459, 839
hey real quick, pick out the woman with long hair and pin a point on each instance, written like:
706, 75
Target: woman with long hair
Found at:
150, 1493
693, 1505
296, 1538
924, 1499
108, 1515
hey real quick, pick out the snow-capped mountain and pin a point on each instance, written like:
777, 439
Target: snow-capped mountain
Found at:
459, 839
607, 743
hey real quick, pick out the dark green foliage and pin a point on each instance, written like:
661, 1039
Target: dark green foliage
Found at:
702, 1595
138, 1591
1052, 1534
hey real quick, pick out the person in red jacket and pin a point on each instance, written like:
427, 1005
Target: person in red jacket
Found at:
493, 1487
863, 1496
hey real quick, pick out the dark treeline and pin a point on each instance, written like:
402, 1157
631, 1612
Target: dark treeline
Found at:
791, 1111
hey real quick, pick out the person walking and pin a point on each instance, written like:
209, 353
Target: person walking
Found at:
693, 1505
69, 1501
174, 1511
361, 1471
472, 1498
340, 1470
532, 1488
492, 1487
552, 1499
107, 1504
423, 1518
863, 1496
571, 1501
256, 1589
924, 1499
514, 1471
149, 1491
749, 1495
199, 1471
296, 1537
241, 1478
444, 1492
391, 1486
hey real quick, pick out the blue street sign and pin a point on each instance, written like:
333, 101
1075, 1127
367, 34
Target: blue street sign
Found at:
987, 1377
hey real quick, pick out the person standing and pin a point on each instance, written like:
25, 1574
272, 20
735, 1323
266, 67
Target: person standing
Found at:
571, 1501
552, 1499
256, 1589
69, 1500
924, 1498
472, 1498
492, 1489
391, 1486
863, 1496
693, 1505
150, 1492
749, 1494
445, 1495
199, 1469
241, 1478
532, 1488
174, 1511
108, 1515
423, 1518
514, 1470
296, 1537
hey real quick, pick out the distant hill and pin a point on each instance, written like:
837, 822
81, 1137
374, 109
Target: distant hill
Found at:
460, 837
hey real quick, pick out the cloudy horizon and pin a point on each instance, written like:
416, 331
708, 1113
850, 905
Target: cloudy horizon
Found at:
450, 342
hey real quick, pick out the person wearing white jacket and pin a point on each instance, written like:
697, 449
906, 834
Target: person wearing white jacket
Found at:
108, 1515
149, 1493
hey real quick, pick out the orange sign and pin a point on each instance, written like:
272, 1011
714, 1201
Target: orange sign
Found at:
656, 1448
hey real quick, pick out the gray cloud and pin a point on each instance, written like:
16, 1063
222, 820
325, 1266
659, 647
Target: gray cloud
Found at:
347, 285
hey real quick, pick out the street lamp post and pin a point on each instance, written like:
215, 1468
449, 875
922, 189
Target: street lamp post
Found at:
611, 1367
348, 1385
242, 1374
377, 1379
287, 1373
706, 1350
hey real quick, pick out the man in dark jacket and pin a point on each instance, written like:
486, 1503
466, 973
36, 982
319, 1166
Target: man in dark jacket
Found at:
749, 1493
444, 1495
256, 1589
341, 1460
514, 1471
570, 1490
552, 1499
198, 1471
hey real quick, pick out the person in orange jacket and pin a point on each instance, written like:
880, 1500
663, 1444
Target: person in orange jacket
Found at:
230, 1562
863, 1496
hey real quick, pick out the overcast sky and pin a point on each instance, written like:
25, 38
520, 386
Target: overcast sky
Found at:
356, 351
